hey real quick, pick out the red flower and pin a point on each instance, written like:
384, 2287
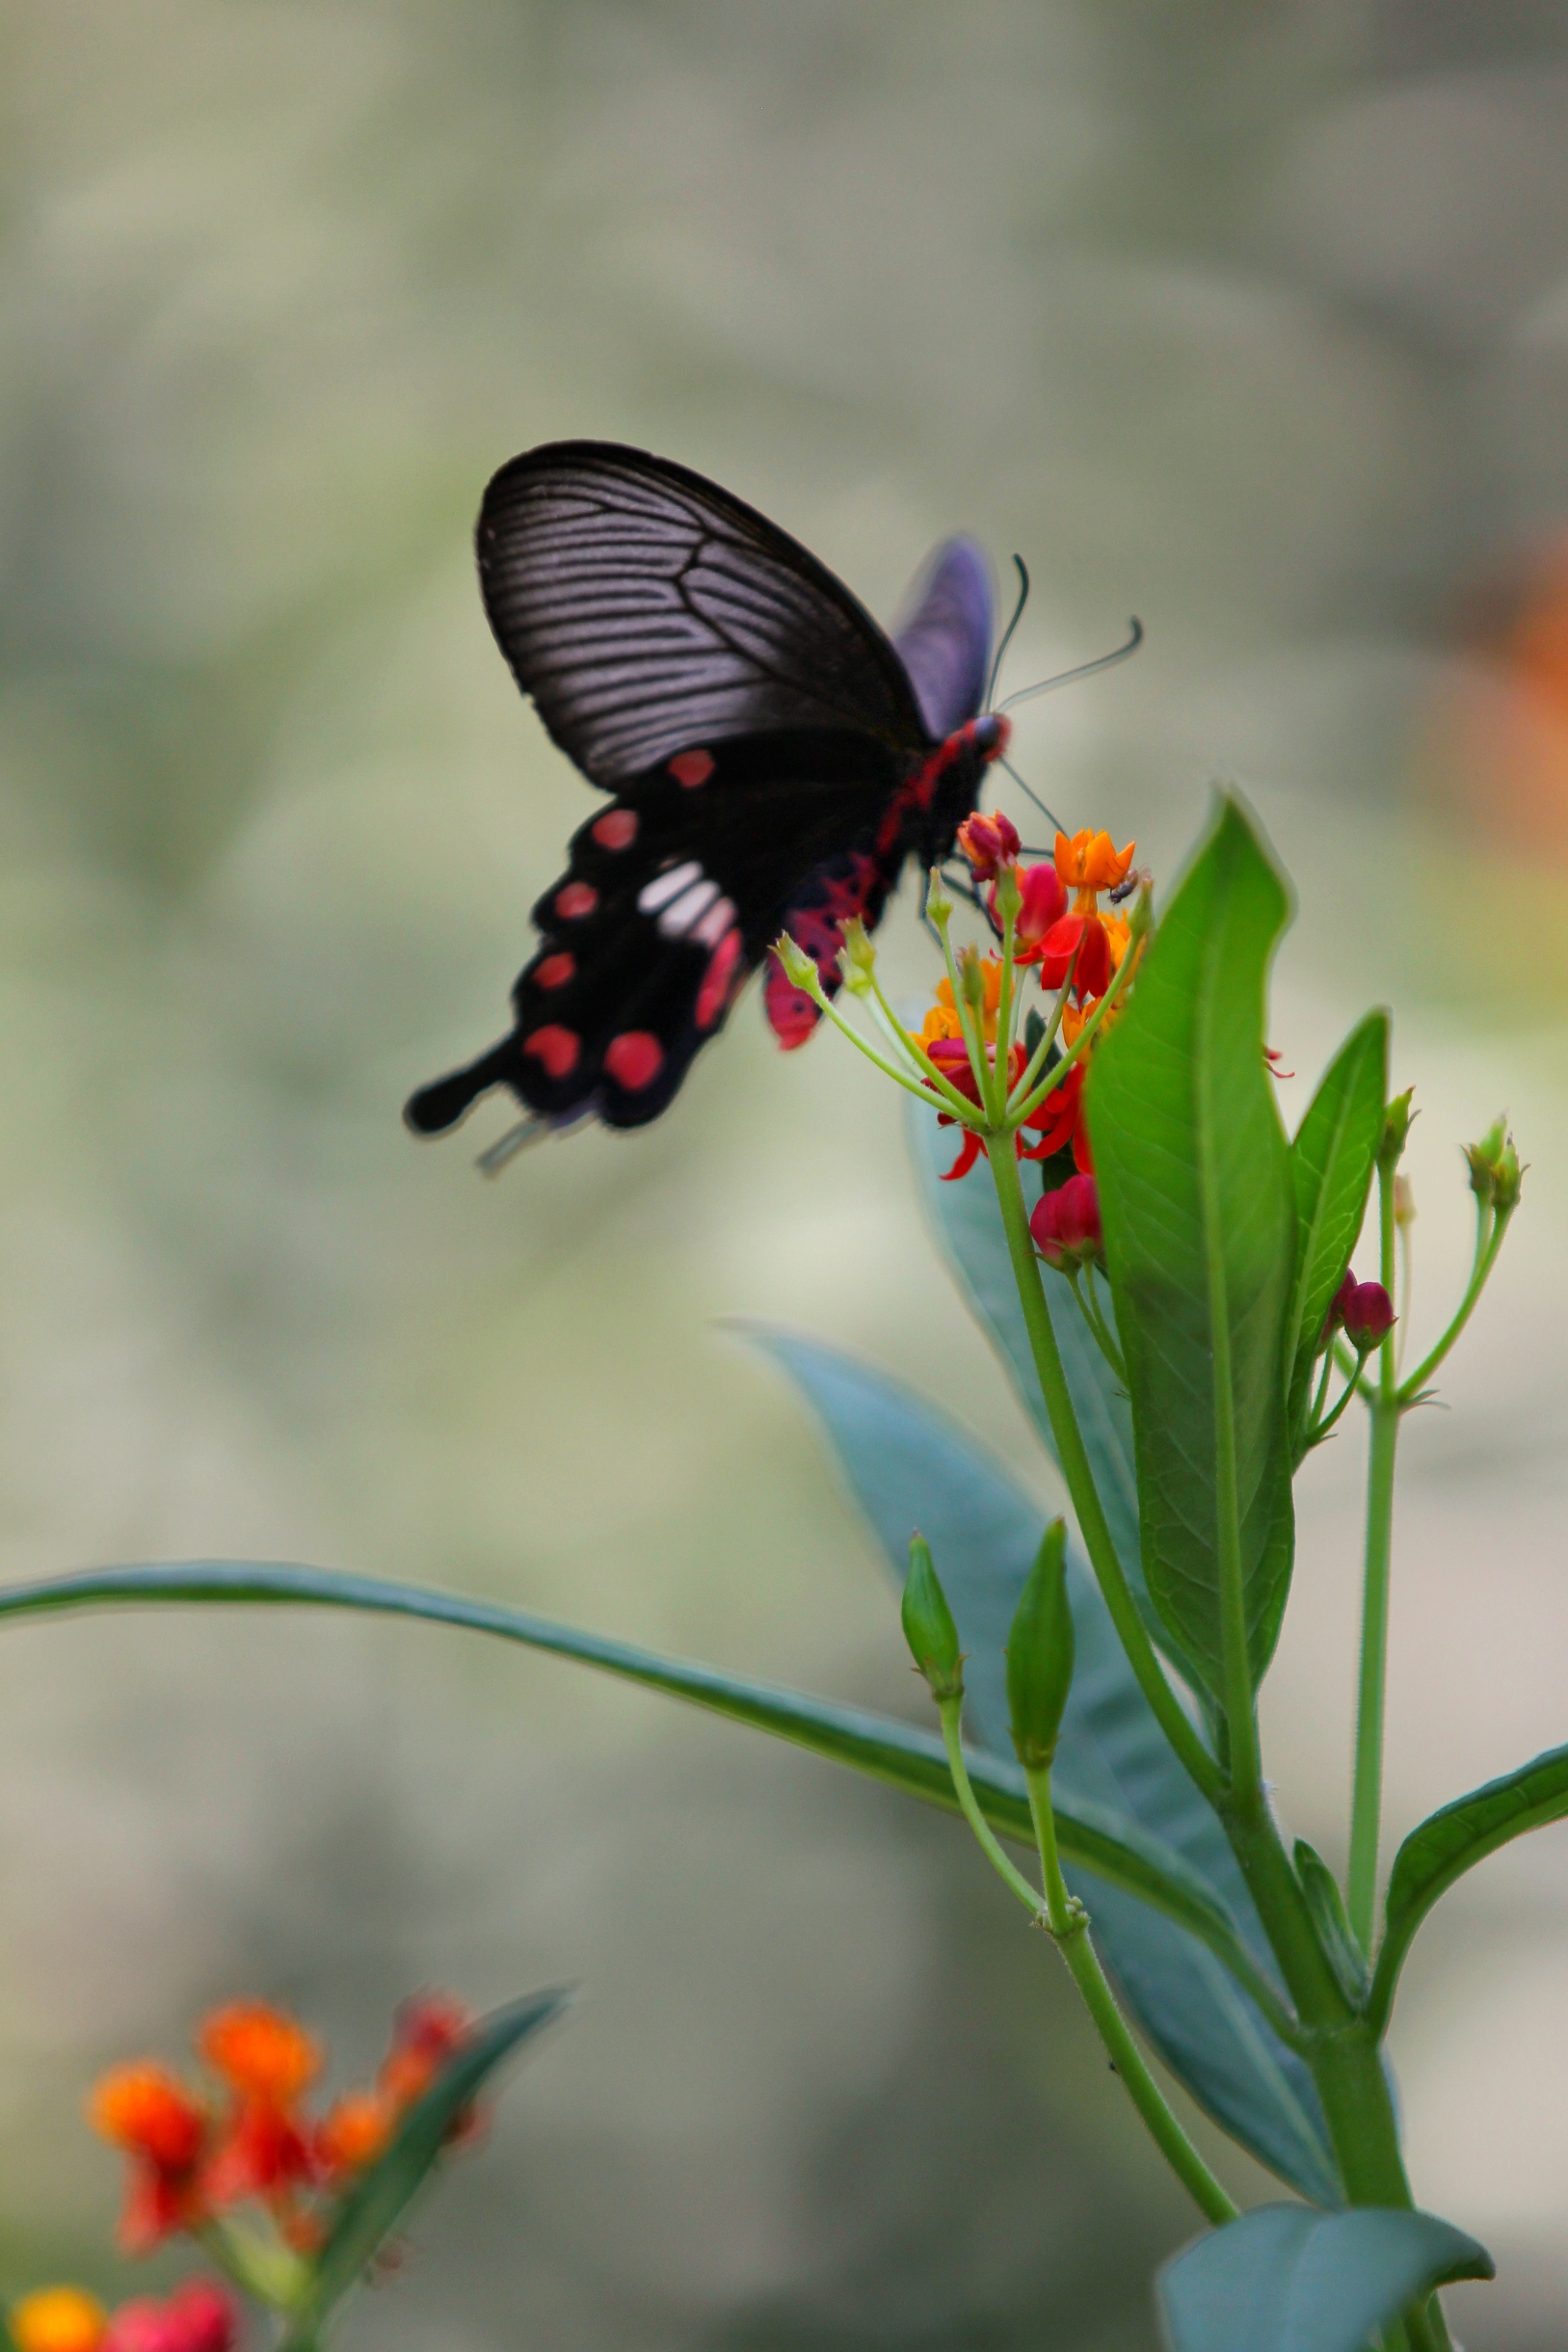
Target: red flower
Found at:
1081, 935
1066, 1224
197, 2317
269, 2060
1044, 903
163, 2130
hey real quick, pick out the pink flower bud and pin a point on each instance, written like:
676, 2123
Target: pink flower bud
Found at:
1368, 1316
989, 843
1066, 1223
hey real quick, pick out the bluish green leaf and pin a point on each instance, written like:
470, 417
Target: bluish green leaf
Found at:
908, 1466
1199, 1213
1332, 1161
1452, 1841
1286, 2279
378, 2200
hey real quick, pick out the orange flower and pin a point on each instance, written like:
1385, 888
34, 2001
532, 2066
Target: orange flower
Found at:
942, 1021
149, 2112
58, 2319
1091, 862
352, 2133
269, 2060
260, 2052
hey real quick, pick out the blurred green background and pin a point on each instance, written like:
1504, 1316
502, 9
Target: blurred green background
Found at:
1250, 318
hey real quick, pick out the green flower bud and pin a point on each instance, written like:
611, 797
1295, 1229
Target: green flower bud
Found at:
1040, 1654
1140, 915
1506, 1179
856, 958
800, 969
1484, 1157
1395, 1128
928, 1625
971, 979
1404, 1202
938, 905
1009, 897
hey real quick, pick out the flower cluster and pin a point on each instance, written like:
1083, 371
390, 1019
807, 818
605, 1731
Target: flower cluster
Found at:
199, 2316
192, 2156
1053, 923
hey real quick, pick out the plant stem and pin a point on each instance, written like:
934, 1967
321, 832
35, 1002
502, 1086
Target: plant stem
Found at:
969, 1805
1367, 1799
1075, 1467
1069, 1925
1486, 1257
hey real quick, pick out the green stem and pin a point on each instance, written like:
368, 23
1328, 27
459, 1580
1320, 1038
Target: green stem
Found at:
1320, 1428
1240, 1711
952, 1737
1018, 1111
1089, 1307
1087, 1507
1367, 1799
1069, 1925
1486, 1257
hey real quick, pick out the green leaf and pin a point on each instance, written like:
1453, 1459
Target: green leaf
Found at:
1285, 2280
1098, 1836
1335, 1933
907, 1464
1452, 1841
376, 2203
968, 1225
1199, 1214
1332, 1161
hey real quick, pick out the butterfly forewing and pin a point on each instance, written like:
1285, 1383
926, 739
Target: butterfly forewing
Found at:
646, 611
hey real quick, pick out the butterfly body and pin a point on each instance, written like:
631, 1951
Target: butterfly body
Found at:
773, 757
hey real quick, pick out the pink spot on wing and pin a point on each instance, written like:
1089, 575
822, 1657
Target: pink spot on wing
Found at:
714, 991
616, 829
692, 768
634, 1059
555, 1046
555, 971
577, 899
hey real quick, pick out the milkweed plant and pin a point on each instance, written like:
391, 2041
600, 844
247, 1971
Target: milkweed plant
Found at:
1167, 1276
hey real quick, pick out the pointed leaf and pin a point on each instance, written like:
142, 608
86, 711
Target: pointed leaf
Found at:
1285, 2280
1199, 1213
375, 2205
1452, 1841
1332, 1161
1335, 1933
908, 1464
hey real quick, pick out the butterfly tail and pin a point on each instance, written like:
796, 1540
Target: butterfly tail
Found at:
441, 1105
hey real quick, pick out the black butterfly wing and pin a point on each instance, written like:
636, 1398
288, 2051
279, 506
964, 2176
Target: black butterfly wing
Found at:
759, 730
646, 611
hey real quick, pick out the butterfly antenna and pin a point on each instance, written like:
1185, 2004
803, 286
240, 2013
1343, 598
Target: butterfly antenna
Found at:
1084, 669
1048, 814
1007, 632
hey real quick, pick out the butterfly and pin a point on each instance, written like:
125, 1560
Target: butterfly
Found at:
771, 755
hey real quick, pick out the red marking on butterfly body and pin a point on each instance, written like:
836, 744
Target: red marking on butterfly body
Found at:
616, 829
634, 1059
577, 899
921, 788
555, 1046
690, 769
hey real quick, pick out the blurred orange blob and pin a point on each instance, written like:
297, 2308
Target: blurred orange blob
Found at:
260, 2051
1500, 740
58, 2319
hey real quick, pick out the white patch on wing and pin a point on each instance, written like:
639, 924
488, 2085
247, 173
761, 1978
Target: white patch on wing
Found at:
667, 886
680, 917
715, 923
